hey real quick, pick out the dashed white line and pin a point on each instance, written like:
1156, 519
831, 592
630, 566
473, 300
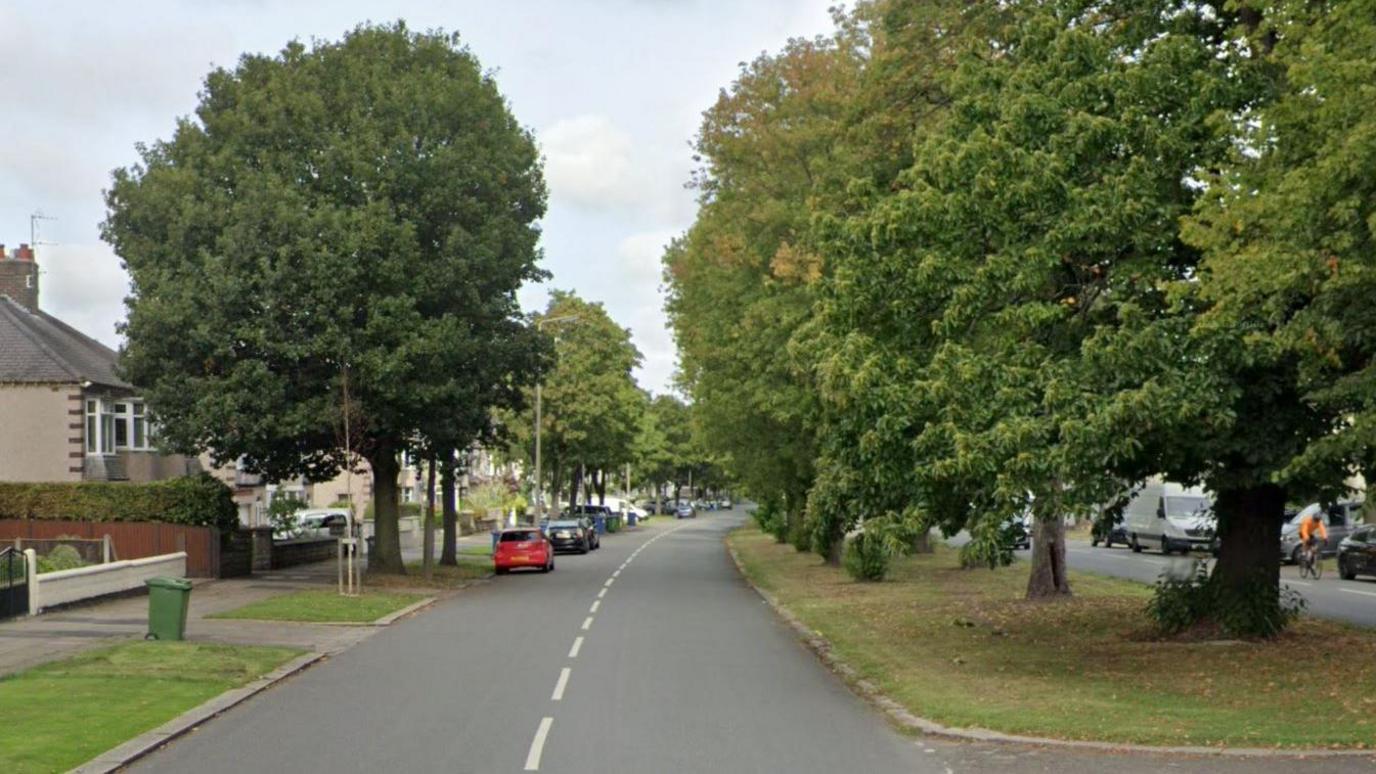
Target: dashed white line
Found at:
1363, 593
618, 572
537, 745
577, 646
561, 685
609, 582
587, 623
602, 593
596, 604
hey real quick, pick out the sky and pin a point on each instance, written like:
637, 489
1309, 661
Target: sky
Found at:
612, 89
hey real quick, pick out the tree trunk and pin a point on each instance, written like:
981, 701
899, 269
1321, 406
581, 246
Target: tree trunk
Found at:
922, 542
556, 484
575, 484
386, 554
835, 549
449, 555
599, 478
1247, 574
1048, 578
427, 549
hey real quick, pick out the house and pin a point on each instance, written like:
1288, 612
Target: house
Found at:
65, 413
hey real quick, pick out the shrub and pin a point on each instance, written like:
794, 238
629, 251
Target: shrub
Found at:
200, 500
282, 517
60, 558
771, 519
799, 534
1179, 604
867, 557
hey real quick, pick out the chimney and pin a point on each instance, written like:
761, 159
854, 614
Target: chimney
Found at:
19, 277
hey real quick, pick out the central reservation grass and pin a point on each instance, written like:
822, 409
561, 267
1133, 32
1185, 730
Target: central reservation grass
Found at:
59, 715
963, 648
323, 606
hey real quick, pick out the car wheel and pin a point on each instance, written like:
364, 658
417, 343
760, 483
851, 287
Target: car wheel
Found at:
583, 549
1344, 571
1094, 542
1165, 546
500, 570
1136, 546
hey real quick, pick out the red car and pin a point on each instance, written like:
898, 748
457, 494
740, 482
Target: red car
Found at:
523, 547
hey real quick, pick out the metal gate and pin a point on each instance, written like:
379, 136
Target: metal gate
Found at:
14, 584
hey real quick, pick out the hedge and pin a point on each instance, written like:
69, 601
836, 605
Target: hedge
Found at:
200, 501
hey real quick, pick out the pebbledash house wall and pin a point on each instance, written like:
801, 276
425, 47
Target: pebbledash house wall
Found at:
41, 432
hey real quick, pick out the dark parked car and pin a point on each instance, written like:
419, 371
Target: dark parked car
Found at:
1014, 532
1109, 534
571, 535
1357, 554
685, 511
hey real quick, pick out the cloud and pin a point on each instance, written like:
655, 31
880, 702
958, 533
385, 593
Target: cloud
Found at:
640, 254
588, 163
83, 285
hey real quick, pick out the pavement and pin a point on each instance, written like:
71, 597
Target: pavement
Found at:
28, 642
649, 655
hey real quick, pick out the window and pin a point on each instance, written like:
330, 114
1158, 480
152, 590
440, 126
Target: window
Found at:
100, 427
131, 430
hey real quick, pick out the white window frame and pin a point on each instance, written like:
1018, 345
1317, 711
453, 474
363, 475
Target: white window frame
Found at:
100, 428
132, 415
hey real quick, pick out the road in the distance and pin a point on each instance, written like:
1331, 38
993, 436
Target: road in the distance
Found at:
650, 655
1329, 597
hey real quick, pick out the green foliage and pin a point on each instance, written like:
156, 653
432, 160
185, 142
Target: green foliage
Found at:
772, 519
199, 500
60, 558
991, 545
1257, 610
282, 517
365, 207
867, 557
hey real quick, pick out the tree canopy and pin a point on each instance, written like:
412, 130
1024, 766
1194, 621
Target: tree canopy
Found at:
363, 207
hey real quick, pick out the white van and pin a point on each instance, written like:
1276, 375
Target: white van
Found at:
1169, 517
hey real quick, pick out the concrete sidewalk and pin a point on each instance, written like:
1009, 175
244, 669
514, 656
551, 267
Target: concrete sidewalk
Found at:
27, 642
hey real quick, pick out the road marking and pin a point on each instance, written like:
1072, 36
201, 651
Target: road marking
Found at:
602, 593
595, 605
563, 683
609, 582
618, 572
587, 623
537, 745
1363, 593
577, 646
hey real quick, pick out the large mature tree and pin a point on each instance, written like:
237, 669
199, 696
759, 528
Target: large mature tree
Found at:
362, 207
1039, 218
591, 406
741, 281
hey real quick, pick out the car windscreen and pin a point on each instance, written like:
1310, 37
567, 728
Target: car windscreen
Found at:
520, 537
1178, 505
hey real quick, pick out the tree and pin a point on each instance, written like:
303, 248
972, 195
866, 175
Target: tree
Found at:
591, 405
361, 207
976, 295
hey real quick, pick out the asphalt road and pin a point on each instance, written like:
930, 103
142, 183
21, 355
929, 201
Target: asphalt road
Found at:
650, 655
1353, 601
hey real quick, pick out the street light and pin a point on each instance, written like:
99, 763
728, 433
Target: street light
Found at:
539, 472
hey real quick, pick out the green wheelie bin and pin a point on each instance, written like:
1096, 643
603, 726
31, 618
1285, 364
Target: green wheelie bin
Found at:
168, 599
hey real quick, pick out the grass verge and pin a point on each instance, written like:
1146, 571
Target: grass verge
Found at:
323, 606
962, 648
470, 568
58, 715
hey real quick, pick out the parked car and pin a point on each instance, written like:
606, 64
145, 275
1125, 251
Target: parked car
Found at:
1170, 517
523, 547
1341, 519
1014, 532
570, 535
314, 522
1357, 553
685, 511
1108, 534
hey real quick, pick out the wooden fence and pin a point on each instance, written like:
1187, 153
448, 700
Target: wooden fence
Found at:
132, 539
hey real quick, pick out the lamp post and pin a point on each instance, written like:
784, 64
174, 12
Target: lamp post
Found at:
539, 471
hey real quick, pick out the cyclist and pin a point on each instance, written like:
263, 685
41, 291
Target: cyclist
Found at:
1312, 533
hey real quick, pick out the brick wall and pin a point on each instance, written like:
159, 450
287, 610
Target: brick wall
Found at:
19, 276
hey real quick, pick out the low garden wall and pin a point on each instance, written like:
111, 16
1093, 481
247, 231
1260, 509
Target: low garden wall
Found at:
289, 553
67, 586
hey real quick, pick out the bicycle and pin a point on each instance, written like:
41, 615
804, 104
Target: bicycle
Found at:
1311, 562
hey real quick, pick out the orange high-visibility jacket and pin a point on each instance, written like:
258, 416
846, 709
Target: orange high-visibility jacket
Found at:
1311, 524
